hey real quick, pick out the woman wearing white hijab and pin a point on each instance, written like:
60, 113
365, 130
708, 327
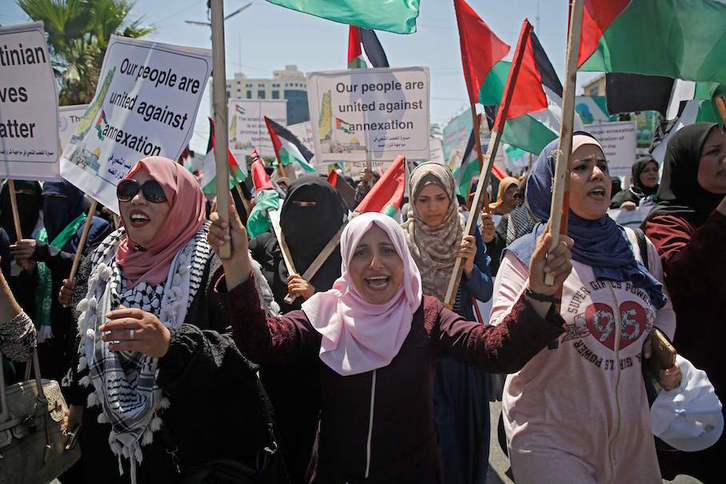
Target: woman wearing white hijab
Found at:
378, 340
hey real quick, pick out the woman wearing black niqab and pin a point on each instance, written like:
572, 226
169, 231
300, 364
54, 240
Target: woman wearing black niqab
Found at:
311, 214
688, 227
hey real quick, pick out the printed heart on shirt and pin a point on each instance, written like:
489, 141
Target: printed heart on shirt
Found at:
601, 322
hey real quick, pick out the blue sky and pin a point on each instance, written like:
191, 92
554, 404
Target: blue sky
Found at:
265, 37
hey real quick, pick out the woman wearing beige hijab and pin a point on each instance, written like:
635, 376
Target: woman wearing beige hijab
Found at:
435, 236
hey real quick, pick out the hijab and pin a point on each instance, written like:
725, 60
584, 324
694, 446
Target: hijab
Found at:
62, 204
434, 249
185, 218
28, 196
308, 228
358, 336
636, 186
679, 191
504, 184
601, 244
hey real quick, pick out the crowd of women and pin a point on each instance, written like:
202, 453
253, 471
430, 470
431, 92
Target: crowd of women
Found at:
184, 359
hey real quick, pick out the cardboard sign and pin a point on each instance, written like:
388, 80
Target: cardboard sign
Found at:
145, 104
247, 129
370, 114
28, 105
618, 139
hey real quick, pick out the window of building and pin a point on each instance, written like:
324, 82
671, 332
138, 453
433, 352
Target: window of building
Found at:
249, 94
261, 94
275, 94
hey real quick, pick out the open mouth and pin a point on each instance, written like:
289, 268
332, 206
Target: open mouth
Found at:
138, 219
377, 283
597, 193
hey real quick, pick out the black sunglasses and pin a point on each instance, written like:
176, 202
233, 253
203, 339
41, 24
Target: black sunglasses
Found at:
152, 191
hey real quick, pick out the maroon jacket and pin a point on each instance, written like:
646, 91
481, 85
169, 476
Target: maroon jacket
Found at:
694, 266
382, 421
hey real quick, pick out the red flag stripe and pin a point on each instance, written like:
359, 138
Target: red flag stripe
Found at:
354, 47
598, 15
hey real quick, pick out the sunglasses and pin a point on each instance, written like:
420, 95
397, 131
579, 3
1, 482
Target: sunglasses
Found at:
152, 191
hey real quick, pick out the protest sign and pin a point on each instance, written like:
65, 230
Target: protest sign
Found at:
631, 218
147, 98
68, 119
618, 140
436, 146
28, 105
247, 129
370, 114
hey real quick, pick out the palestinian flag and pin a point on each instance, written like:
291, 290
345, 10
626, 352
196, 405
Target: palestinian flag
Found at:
469, 168
346, 191
481, 56
266, 198
288, 148
386, 196
397, 16
535, 110
344, 126
626, 93
673, 38
209, 172
360, 39
260, 178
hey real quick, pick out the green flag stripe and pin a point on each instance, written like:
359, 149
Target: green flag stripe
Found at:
680, 39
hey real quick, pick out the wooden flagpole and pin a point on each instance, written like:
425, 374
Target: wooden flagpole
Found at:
219, 93
721, 106
496, 135
318, 262
82, 243
560, 190
286, 255
14, 208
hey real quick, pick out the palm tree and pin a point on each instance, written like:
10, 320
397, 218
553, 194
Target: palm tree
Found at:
78, 32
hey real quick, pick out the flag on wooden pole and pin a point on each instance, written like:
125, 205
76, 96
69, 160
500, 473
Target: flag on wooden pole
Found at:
266, 198
386, 196
209, 171
288, 148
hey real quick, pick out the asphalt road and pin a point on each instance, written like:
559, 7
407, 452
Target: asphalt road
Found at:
499, 463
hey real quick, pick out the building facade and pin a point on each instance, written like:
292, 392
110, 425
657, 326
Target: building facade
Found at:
288, 83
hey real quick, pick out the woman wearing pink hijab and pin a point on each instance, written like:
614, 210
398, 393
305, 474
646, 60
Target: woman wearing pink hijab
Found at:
152, 355
377, 341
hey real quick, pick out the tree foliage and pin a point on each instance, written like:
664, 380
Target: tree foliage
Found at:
78, 32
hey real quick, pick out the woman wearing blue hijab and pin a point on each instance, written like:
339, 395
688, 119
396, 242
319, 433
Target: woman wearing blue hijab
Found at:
577, 411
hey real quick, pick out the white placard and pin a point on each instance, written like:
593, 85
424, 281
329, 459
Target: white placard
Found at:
68, 119
370, 114
618, 139
247, 129
28, 105
145, 104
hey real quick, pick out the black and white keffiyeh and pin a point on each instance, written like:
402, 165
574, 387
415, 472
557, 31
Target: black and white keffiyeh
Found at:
124, 383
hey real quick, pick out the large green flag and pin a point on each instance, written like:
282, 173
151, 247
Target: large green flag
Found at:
397, 16
682, 39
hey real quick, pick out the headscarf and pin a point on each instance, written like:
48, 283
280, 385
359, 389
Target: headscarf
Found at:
601, 244
636, 186
358, 336
27, 194
434, 249
308, 229
62, 204
679, 191
185, 217
504, 184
